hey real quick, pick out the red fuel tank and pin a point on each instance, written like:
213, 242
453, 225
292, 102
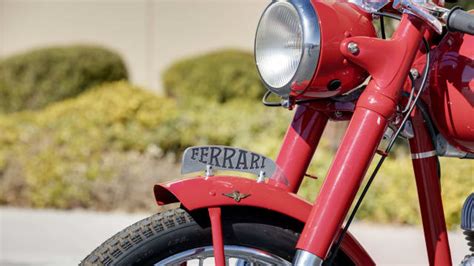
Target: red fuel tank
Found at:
452, 89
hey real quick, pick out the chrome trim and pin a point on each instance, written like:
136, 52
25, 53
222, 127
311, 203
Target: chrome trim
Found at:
430, 13
240, 253
423, 155
311, 45
305, 258
443, 148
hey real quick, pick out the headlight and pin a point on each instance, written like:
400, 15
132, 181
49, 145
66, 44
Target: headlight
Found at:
287, 45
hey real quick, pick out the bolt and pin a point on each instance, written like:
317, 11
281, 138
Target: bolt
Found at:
414, 72
353, 48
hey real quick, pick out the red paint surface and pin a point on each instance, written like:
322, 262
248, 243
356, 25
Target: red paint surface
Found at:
452, 89
301, 140
331, 65
198, 193
342, 182
376, 105
217, 239
429, 196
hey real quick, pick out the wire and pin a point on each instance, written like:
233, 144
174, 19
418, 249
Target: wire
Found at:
388, 15
338, 243
412, 93
270, 104
382, 27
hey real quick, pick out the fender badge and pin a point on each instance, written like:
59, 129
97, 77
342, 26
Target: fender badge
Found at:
236, 195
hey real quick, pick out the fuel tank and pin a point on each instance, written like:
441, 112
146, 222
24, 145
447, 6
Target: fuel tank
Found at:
452, 90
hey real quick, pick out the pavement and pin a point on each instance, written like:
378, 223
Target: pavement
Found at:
52, 237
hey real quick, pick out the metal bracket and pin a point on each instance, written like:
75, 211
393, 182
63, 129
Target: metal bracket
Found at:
209, 172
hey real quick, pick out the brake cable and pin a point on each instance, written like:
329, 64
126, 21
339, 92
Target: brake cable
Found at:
384, 155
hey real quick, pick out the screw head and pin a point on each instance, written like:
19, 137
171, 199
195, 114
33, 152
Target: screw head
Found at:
353, 48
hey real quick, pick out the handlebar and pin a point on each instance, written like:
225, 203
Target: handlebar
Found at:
460, 20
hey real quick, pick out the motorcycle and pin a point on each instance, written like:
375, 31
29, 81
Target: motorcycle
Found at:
325, 60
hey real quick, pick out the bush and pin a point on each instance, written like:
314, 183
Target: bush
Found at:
93, 150
34, 79
219, 76
54, 157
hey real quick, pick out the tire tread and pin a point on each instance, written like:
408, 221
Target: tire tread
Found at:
132, 236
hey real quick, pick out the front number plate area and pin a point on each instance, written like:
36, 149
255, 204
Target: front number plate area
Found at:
199, 158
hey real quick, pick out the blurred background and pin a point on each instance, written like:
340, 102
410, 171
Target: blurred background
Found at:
98, 99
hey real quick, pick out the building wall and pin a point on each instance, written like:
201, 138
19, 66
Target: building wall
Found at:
150, 34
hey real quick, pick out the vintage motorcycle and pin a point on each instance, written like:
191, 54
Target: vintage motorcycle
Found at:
317, 56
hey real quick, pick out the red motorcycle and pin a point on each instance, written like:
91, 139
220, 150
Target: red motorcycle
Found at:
317, 56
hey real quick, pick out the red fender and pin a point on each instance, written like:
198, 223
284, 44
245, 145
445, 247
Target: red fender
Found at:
199, 192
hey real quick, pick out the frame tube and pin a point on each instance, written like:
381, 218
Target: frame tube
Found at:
429, 194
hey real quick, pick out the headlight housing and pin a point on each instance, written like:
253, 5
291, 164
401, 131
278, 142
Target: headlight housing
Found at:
298, 47
287, 45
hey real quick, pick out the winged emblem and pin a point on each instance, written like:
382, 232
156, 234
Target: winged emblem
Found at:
236, 195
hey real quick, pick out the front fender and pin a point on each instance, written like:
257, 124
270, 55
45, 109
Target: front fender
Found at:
199, 192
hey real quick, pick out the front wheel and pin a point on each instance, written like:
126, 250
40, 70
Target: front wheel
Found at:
177, 237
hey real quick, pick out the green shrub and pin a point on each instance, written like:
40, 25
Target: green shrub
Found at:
34, 79
53, 157
219, 76
236, 123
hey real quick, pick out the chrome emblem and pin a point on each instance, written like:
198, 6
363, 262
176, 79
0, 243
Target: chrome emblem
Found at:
236, 195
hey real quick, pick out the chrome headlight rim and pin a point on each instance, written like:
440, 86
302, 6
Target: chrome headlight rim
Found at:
309, 59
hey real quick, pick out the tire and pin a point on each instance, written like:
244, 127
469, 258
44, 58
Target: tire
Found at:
165, 234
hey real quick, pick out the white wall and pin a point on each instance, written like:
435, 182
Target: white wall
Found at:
150, 34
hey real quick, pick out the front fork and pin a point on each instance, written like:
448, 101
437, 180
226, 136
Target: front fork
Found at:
375, 107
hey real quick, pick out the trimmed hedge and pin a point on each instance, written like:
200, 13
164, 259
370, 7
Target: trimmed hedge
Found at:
218, 76
34, 79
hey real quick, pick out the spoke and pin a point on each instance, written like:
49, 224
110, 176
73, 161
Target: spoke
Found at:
236, 255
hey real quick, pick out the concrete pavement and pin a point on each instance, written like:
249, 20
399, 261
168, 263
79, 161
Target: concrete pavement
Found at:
51, 237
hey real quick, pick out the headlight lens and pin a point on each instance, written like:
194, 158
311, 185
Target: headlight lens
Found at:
287, 45
279, 44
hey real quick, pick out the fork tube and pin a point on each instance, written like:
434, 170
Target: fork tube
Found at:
343, 180
429, 194
375, 107
299, 145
